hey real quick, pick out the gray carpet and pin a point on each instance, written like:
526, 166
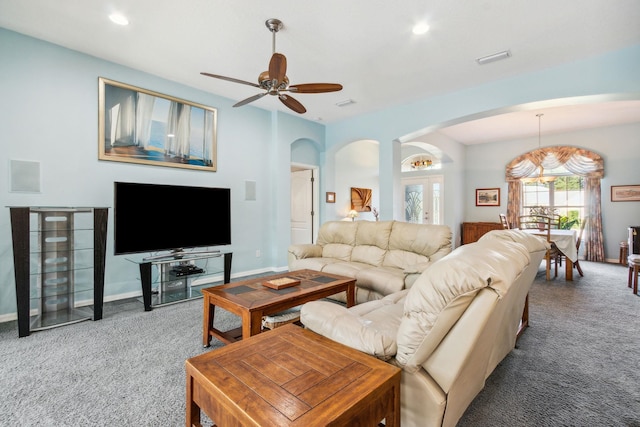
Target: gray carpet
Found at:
577, 365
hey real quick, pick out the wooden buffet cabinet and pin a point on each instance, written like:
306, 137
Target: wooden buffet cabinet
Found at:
472, 231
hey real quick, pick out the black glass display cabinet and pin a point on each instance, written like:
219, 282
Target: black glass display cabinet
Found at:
59, 264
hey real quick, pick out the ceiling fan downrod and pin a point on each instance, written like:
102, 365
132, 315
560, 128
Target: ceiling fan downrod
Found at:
274, 25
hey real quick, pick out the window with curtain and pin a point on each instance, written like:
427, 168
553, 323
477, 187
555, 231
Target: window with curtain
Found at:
585, 164
563, 194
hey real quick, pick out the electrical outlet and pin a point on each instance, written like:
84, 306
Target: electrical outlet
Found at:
258, 253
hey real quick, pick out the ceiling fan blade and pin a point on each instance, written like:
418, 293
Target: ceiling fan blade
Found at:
315, 88
250, 99
292, 103
231, 79
277, 68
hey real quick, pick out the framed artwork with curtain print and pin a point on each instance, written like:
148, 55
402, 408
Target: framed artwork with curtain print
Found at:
137, 125
361, 199
487, 197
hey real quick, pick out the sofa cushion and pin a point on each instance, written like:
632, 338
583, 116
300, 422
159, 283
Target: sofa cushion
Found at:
440, 296
338, 232
374, 233
338, 251
349, 269
368, 254
422, 239
383, 280
401, 259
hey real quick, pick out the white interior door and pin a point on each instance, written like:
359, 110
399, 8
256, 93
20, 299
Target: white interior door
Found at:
423, 199
302, 207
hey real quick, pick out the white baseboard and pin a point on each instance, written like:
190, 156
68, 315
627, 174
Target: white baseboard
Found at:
110, 298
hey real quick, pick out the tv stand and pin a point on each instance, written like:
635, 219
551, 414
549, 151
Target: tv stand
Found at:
181, 276
180, 254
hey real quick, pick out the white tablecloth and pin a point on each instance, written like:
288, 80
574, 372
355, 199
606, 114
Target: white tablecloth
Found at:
565, 240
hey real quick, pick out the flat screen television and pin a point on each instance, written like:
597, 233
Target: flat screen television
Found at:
157, 217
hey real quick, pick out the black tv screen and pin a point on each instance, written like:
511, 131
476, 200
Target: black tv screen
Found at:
156, 217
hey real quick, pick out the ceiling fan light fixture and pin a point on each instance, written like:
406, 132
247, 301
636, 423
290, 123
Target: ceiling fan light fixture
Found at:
494, 57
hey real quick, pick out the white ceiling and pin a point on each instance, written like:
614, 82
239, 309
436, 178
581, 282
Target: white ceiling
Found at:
367, 46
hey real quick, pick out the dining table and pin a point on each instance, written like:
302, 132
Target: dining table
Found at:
565, 241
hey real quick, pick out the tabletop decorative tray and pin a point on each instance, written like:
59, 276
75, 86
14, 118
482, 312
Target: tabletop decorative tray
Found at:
281, 283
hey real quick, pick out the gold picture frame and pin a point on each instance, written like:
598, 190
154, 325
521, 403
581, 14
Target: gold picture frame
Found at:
137, 125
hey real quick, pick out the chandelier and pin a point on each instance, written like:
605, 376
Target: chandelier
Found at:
422, 164
540, 178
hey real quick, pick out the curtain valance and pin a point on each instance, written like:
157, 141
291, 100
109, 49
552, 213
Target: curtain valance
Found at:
577, 161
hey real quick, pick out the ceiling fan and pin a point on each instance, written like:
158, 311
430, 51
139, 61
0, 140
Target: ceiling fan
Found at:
275, 81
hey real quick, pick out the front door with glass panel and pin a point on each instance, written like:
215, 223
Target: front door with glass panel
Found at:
423, 199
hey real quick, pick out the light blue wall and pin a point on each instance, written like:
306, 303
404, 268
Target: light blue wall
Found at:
356, 166
305, 152
615, 74
49, 114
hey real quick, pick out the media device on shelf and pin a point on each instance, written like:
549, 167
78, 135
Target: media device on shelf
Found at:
159, 217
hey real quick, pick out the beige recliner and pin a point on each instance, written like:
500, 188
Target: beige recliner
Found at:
448, 331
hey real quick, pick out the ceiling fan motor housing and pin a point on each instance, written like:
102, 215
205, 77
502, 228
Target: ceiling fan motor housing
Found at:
266, 83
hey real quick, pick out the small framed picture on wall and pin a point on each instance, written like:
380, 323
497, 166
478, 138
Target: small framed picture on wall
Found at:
487, 197
331, 197
625, 193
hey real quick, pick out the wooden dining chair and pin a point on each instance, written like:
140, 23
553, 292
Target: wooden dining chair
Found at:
576, 263
555, 221
503, 220
543, 225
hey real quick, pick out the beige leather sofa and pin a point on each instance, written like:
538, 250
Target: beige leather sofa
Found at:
383, 256
450, 330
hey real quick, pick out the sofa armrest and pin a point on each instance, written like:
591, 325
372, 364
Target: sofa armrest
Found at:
297, 252
339, 324
305, 251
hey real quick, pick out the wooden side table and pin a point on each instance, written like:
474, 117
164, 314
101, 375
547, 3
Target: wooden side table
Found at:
291, 376
624, 252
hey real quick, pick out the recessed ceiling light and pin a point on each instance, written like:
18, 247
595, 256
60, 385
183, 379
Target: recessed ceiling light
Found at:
119, 19
420, 29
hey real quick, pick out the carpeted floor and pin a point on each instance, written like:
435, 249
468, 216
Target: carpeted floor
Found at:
577, 365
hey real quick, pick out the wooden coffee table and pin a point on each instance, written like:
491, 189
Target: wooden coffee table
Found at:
251, 300
291, 376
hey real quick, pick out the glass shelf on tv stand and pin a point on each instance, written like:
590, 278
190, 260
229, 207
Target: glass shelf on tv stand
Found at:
171, 278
